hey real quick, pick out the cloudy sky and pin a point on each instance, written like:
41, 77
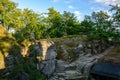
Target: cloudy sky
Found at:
78, 7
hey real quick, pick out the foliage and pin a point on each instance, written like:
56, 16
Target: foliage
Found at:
60, 25
116, 20
27, 66
100, 26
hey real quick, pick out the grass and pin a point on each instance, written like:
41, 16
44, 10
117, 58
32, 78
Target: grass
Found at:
113, 56
65, 46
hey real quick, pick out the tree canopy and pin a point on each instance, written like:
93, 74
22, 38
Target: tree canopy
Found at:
26, 22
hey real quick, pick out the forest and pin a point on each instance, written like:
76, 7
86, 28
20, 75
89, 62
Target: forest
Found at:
21, 27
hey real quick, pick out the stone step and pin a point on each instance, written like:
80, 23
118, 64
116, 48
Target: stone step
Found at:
72, 73
75, 78
70, 67
60, 74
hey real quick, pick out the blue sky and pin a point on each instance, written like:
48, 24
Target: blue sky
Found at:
78, 7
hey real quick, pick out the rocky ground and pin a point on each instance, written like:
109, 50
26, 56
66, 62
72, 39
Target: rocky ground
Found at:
78, 69
65, 59
68, 60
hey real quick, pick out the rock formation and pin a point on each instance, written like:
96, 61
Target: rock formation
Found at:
47, 51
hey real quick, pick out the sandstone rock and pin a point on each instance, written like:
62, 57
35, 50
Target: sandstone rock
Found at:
72, 74
49, 67
88, 66
51, 53
79, 49
47, 51
37, 50
61, 74
80, 46
80, 67
2, 62
60, 66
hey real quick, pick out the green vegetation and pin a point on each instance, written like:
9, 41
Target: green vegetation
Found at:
20, 28
99, 25
113, 56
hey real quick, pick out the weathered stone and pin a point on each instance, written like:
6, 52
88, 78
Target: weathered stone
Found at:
60, 66
2, 62
79, 49
80, 67
49, 67
71, 72
37, 50
61, 74
88, 67
51, 53
46, 49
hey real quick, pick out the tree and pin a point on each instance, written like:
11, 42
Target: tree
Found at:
116, 22
53, 23
116, 15
102, 24
87, 25
61, 24
31, 24
70, 24
98, 27
8, 14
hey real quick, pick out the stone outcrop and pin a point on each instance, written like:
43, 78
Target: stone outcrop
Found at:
74, 58
47, 51
78, 69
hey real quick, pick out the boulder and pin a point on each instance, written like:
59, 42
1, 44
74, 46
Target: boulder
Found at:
80, 67
47, 51
79, 49
49, 67
60, 66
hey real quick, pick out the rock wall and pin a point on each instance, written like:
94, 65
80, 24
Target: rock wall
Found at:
69, 58
75, 58
46, 50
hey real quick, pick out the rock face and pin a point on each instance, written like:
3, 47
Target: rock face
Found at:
77, 70
2, 63
66, 59
46, 49
49, 67
75, 59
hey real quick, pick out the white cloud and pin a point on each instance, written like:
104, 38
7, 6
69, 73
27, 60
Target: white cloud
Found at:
71, 7
78, 15
55, 0
109, 2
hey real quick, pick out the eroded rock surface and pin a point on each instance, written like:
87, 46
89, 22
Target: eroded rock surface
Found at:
47, 52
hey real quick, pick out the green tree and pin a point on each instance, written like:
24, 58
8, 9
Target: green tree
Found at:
87, 25
102, 24
99, 26
32, 23
116, 22
70, 23
53, 23
8, 14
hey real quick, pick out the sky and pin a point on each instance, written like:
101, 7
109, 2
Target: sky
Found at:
79, 7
